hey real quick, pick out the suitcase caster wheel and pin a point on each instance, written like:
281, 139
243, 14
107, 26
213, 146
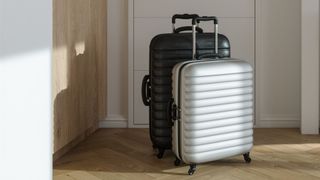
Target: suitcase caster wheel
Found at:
154, 146
177, 162
192, 169
247, 158
160, 154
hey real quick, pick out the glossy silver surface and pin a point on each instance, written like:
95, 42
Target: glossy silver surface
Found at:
216, 109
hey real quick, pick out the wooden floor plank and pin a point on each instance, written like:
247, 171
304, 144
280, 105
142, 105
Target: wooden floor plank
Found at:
128, 154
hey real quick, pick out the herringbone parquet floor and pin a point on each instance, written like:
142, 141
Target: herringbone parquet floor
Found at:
127, 154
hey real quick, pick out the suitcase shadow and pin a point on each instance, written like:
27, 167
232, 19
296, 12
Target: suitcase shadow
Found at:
129, 152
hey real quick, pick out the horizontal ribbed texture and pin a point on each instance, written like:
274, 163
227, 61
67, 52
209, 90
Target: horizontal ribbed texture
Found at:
218, 138
217, 131
217, 101
218, 94
218, 123
218, 116
216, 110
217, 78
218, 145
208, 156
218, 86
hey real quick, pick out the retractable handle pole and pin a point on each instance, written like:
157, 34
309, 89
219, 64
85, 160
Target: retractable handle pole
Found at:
195, 22
194, 39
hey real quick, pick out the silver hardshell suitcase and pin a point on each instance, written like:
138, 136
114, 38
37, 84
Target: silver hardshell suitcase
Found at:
212, 109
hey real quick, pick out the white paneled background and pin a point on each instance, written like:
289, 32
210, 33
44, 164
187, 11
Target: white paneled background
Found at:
166, 8
264, 32
278, 74
236, 23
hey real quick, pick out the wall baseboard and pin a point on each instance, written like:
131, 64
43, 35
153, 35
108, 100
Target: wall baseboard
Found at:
279, 121
114, 121
278, 124
140, 126
272, 121
59, 153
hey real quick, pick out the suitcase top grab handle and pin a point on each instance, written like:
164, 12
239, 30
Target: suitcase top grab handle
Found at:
195, 23
183, 16
184, 28
205, 18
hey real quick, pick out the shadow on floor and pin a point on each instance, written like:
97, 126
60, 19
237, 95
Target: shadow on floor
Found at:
130, 151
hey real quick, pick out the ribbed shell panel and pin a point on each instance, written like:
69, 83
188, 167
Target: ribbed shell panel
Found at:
216, 110
217, 78
218, 101
218, 138
218, 86
218, 94
218, 145
218, 123
217, 131
208, 156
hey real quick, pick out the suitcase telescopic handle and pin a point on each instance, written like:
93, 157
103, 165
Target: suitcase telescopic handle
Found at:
145, 90
195, 23
183, 16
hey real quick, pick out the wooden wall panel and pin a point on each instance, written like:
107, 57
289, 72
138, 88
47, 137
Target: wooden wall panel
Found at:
79, 68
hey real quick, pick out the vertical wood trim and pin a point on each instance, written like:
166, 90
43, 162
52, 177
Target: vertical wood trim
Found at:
109, 75
101, 50
79, 68
310, 67
130, 63
117, 59
258, 56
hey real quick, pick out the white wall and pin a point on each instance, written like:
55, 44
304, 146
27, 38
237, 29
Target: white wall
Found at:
278, 63
25, 89
310, 67
238, 24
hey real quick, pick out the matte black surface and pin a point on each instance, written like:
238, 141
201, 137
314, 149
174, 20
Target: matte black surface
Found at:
166, 50
187, 28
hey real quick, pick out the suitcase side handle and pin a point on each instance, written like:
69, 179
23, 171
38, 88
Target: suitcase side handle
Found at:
145, 90
182, 16
195, 23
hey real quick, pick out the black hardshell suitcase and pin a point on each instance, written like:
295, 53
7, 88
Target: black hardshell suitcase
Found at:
166, 50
